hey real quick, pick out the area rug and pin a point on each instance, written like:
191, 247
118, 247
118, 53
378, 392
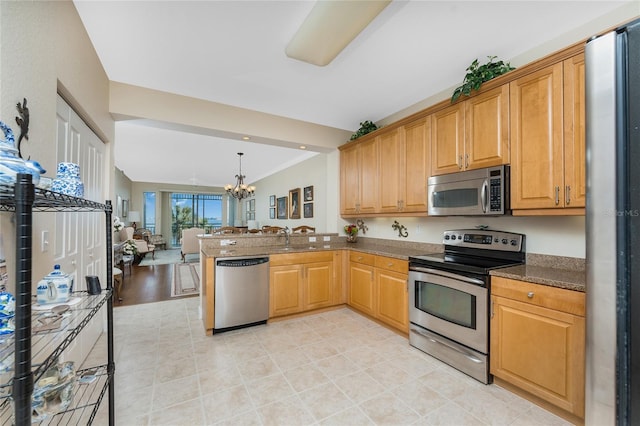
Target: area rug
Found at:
186, 279
162, 257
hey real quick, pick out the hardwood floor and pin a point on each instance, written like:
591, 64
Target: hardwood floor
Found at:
146, 284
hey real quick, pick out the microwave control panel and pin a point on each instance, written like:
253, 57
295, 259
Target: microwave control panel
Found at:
484, 239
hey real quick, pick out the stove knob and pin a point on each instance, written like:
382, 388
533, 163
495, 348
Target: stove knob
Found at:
497, 240
504, 241
514, 242
446, 237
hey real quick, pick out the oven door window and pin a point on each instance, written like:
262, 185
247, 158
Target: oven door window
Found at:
456, 198
446, 303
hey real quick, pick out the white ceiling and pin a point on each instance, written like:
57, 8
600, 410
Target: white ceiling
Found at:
233, 52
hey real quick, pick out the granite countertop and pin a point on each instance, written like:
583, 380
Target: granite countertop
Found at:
554, 276
397, 252
555, 271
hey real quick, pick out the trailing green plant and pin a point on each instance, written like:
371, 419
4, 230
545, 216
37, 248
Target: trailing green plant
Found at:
365, 127
478, 74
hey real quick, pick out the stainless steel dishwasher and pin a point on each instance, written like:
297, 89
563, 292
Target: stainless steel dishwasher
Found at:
242, 292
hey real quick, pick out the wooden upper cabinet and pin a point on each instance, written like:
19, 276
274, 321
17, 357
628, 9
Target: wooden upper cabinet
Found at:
391, 158
536, 139
416, 169
404, 168
548, 139
359, 178
349, 180
447, 139
575, 179
472, 134
387, 173
486, 119
368, 176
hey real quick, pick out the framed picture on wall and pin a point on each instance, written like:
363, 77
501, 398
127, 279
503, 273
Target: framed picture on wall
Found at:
118, 206
281, 208
272, 213
294, 203
308, 193
308, 209
272, 201
252, 205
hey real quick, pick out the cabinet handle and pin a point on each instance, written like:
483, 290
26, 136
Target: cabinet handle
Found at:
492, 307
568, 195
466, 161
460, 163
530, 295
390, 264
557, 195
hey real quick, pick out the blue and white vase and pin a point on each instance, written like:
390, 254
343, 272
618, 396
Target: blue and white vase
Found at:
68, 181
10, 163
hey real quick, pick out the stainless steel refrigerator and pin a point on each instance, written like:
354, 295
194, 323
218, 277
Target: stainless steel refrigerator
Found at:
613, 227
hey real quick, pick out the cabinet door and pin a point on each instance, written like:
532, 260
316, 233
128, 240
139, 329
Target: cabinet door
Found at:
539, 350
349, 180
536, 139
361, 292
318, 282
392, 299
390, 147
575, 181
368, 176
417, 164
447, 139
487, 129
285, 290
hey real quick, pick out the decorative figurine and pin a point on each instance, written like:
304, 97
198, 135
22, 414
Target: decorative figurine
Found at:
23, 122
402, 230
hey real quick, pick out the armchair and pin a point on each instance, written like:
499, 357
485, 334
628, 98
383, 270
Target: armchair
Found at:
142, 246
189, 243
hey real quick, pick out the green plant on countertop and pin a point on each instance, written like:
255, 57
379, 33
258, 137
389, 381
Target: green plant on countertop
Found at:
478, 74
365, 127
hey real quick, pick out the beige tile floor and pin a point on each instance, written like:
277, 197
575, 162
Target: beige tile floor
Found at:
332, 368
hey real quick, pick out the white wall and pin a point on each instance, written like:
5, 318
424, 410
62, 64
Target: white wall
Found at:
311, 172
44, 49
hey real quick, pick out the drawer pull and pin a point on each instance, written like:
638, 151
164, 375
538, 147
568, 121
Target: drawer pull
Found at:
389, 264
530, 295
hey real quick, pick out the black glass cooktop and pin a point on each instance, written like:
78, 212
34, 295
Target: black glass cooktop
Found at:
464, 263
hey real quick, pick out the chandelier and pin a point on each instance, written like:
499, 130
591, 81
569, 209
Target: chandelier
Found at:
240, 190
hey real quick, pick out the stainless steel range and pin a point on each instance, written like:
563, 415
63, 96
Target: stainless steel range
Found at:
449, 296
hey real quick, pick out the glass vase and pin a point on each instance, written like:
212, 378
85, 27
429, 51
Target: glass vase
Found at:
351, 238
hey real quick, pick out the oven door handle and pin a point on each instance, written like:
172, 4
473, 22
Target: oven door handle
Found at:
461, 351
447, 275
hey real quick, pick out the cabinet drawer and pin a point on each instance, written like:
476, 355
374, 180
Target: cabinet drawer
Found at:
359, 257
300, 258
569, 301
392, 264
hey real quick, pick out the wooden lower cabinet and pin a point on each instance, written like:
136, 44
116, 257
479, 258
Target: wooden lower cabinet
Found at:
392, 299
285, 290
538, 341
301, 282
361, 283
378, 287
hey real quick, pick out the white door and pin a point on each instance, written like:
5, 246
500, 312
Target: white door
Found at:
80, 246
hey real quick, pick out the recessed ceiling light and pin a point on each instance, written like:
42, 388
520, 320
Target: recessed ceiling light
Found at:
303, 147
245, 138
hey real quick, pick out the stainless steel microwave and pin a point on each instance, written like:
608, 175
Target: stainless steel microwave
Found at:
472, 193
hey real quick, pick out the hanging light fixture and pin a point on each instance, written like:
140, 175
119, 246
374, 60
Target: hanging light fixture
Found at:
240, 190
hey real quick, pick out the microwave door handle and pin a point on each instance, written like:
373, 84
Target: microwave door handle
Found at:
447, 275
484, 195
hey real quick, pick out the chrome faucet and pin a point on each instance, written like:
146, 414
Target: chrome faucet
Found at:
286, 235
